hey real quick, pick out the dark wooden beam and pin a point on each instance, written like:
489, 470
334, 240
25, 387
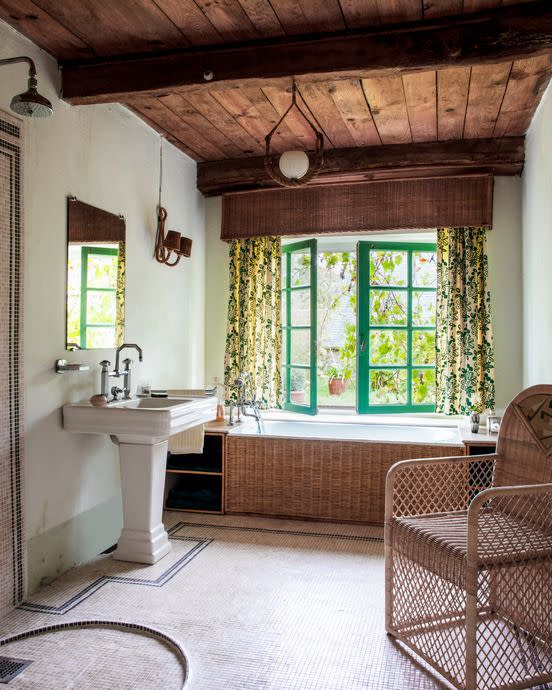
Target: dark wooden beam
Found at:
443, 158
504, 34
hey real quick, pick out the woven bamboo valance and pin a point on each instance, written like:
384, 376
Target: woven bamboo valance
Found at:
359, 207
87, 223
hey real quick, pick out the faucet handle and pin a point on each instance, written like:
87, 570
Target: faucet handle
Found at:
105, 364
116, 392
127, 362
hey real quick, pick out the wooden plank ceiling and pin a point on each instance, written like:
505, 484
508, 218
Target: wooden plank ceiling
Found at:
218, 122
484, 101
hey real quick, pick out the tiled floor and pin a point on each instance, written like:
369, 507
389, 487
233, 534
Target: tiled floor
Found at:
257, 604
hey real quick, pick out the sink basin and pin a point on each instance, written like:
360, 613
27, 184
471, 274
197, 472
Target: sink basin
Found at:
140, 420
141, 428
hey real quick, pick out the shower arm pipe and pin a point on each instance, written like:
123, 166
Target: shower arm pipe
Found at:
21, 58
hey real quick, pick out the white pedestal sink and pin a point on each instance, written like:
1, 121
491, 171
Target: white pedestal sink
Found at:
141, 427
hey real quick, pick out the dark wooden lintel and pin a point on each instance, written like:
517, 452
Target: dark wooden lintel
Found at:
504, 34
444, 158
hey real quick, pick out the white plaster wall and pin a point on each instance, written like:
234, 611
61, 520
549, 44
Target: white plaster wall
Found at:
216, 292
537, 246
504, 252
505, 279
104, 156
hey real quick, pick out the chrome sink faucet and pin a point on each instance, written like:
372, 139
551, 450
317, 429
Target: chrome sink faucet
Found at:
126, 373
241, 383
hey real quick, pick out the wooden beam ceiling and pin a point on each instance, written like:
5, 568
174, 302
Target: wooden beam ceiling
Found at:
496, 156
480, 39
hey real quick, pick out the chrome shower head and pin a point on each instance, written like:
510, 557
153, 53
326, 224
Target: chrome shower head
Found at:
30, 103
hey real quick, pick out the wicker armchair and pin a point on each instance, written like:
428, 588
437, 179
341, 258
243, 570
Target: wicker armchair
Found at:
468, 548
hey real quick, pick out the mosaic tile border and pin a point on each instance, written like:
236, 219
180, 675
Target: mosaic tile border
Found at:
93, 587
182, 562
176, 648
273, 530
11, 275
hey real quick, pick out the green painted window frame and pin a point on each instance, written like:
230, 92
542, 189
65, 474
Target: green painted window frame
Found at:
287, 327
86, 252
363, 328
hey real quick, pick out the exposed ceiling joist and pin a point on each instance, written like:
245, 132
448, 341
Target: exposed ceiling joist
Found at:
508, 33
498, 156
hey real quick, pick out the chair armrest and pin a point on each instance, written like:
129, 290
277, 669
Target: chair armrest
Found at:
510, 521
435, 485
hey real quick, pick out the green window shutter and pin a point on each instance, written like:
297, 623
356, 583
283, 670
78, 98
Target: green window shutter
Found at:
299, 326
396, 327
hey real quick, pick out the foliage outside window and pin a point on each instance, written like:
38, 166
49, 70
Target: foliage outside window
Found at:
395, 363
92, 295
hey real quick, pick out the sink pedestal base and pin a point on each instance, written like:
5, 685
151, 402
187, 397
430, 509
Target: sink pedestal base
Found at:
143, 538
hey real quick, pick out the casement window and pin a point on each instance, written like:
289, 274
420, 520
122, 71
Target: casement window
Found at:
375, 340
396, 327
299, 326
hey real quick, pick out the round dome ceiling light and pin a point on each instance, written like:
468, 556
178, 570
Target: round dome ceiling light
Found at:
294, 168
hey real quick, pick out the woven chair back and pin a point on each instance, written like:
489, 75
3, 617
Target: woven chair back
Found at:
524, 448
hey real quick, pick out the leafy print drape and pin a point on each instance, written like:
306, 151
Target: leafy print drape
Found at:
120, 295
253, 341
465, 359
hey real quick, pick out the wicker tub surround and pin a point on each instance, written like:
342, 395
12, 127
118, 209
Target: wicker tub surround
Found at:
468, 545
312, 478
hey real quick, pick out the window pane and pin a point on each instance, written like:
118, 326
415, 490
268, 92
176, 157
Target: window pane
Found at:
100, 307
299, 389
300, 307
388, 308
300, 347
284, 270
423, 386
423, 347
102, 271
300, 268
388, 347
388, 267
423, 308
100, 337
424, 269
284, 347
388, 387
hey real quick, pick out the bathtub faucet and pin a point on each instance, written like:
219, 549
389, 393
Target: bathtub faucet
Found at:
243, 403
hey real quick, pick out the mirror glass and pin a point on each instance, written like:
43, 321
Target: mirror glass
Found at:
95, 278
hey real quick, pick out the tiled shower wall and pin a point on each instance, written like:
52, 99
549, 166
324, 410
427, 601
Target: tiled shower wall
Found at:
12, 579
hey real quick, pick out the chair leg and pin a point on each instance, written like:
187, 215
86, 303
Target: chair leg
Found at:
471, 642
388, 588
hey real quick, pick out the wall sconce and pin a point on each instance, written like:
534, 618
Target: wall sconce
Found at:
294, 168
170, 246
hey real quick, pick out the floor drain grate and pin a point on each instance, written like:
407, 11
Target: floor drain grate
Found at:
10, 668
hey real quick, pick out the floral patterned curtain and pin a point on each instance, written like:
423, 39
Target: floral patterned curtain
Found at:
253, 341
465, 359
120, 295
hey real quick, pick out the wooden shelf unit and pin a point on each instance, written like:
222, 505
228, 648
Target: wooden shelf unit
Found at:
195, 475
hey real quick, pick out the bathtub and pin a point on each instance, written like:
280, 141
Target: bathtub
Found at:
388, 433
334, 471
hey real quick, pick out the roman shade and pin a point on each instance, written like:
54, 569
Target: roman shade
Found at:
462, 201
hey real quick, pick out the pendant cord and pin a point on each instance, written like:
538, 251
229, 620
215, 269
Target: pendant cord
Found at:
160, 169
